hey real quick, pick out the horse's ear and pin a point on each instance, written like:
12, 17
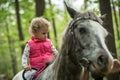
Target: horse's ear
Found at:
71, 11
103, 17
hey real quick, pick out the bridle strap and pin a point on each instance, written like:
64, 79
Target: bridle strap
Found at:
85, 71
84, 74
73, 21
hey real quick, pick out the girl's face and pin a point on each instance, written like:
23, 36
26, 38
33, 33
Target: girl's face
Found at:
42, 34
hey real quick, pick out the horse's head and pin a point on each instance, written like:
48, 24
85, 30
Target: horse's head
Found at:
85, 37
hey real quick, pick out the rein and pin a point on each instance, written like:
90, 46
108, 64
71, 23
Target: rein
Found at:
85, 74
85, 70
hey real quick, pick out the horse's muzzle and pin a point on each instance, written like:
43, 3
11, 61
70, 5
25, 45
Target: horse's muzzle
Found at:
100, 66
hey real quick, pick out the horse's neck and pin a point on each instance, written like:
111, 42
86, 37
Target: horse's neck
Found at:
66, 69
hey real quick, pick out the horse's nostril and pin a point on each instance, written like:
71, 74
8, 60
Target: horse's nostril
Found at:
102, 59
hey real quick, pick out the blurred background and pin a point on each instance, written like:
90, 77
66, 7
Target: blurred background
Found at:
16, 15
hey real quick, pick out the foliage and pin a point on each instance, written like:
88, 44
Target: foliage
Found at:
27, 12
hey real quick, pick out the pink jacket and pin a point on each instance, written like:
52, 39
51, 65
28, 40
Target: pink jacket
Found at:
40, 52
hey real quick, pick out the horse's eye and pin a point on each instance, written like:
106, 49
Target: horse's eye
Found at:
82, 30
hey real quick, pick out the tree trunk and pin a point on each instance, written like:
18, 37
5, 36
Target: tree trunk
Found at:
116, 20
21, 37
53, 23
109, 26
85, 4
40, 7
11, 49
119, 9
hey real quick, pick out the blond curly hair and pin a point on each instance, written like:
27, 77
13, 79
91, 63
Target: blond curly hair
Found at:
38, 23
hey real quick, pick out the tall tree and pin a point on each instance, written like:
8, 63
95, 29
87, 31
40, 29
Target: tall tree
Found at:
85, 4
116, 19
21, 37
40, 7
12, 50
53, 23
109, 26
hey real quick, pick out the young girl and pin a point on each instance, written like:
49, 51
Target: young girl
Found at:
39, 49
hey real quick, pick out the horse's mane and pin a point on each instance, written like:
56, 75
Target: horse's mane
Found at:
90, 15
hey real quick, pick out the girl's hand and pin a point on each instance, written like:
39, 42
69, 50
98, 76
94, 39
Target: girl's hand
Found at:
53, 56
27, 68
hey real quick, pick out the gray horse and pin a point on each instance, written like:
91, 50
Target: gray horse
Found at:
83, 51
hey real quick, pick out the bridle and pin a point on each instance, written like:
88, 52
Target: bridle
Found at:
85, 69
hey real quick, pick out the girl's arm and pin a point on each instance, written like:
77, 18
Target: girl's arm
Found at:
25, 58
55, 52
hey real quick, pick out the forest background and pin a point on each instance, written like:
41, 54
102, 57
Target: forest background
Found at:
16, 15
